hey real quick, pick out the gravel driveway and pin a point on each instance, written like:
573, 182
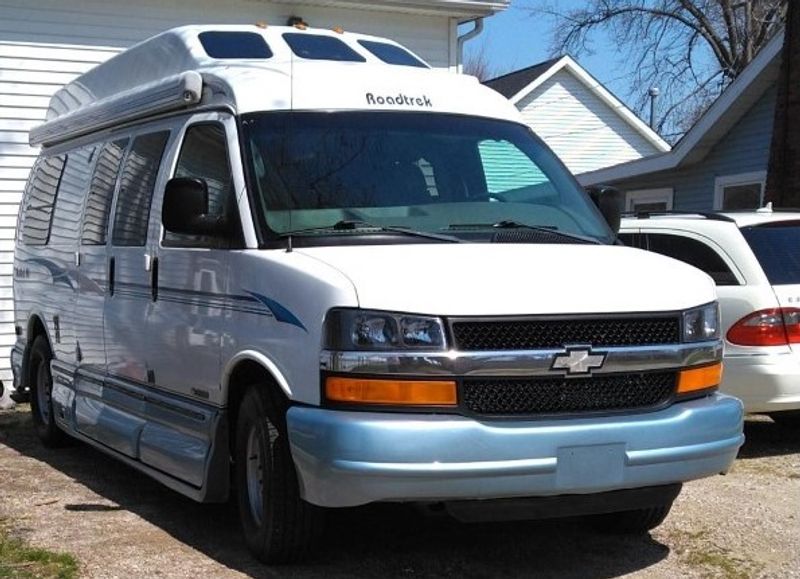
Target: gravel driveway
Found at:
119, 523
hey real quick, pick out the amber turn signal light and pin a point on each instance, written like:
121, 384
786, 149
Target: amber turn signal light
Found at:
391, 392
696, 379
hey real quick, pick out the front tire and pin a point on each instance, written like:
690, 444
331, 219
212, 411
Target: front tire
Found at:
40, 381
278, 525
636, 522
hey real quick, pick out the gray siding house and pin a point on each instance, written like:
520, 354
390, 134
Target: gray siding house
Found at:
721, 163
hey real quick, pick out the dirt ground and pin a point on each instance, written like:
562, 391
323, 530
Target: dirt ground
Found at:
119, 523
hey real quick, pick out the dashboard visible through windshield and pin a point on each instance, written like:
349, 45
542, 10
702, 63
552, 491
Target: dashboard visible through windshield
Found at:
326, 176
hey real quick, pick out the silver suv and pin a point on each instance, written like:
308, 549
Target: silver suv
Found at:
754, 258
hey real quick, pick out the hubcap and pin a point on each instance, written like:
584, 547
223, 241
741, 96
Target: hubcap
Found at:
43, 393
255, 472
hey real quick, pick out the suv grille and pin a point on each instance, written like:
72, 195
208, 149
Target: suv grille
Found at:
560, 395
557, 333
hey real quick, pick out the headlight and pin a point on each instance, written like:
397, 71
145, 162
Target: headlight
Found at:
701, 323
348, 330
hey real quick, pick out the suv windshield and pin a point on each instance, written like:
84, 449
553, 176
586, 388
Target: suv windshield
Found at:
444, 174
777, 248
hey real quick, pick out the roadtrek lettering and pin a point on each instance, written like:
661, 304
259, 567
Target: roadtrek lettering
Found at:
399, 99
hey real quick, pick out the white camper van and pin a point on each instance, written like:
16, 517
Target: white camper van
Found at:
301, 268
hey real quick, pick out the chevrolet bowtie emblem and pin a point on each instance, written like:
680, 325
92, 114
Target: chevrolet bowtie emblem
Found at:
578, 361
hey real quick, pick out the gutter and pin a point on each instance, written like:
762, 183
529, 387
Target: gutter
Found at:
464, 38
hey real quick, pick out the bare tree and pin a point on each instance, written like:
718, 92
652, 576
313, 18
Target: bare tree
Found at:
477, 63
690, 49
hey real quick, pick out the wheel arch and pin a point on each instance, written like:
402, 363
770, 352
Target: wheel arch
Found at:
245, 369
37, 326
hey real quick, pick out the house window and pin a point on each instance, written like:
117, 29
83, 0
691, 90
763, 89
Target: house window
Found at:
742, 191
649, 200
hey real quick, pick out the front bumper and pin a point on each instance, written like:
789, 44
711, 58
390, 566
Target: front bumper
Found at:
764, 383
353, 458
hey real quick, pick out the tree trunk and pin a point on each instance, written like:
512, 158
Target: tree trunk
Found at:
783, 177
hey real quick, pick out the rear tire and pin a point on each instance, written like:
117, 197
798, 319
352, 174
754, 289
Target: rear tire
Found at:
637, 522
40, 382
278, 525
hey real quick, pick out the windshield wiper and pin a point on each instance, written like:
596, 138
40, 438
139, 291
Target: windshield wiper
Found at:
511, 224
356, 225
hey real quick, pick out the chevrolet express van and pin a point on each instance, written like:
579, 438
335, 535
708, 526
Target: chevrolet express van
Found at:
300, 268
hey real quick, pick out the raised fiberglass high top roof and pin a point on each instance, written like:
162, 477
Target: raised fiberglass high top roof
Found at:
250, 68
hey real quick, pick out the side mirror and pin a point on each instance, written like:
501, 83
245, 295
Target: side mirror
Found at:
185, 209
609, 201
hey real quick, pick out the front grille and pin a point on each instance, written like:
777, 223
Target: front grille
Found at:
560, 395
557, 333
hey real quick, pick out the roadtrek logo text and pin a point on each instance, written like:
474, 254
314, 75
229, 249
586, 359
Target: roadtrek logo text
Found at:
399, 99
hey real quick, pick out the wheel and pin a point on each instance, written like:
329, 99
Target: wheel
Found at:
40, 382
635, 522
279, 526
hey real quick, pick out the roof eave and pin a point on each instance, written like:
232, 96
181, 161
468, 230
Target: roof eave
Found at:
462, 9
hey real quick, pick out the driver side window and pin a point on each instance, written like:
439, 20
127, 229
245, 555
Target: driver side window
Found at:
204, 155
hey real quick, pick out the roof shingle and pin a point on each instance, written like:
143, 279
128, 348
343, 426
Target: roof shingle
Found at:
510, 84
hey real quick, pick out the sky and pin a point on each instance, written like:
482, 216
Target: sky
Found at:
514, 39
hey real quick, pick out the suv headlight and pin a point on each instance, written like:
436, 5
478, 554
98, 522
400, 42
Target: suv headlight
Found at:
352, 329
701, 324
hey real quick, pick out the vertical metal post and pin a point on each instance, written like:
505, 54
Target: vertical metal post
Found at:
653, 92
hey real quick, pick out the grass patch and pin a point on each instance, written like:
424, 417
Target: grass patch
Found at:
722, 564
696, 550
20, 561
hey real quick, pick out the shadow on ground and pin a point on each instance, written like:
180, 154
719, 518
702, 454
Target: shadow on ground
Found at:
764, 438
384, 540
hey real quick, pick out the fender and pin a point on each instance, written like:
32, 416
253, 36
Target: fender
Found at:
262, 360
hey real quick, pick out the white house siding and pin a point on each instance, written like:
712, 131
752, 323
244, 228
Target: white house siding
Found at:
744, 149
46, 43
583, 130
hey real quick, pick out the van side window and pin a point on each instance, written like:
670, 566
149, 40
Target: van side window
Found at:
40, 198
139, 175
101, 192
695, 253
71, 194
204, 155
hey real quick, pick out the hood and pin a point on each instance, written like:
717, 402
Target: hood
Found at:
501, 279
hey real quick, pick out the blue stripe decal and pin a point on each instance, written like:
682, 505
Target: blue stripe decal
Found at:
281, 313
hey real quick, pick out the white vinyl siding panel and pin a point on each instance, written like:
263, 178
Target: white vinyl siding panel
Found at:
585, 132
47, 43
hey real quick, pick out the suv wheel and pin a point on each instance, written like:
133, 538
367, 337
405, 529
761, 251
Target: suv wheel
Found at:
40, 381
279, 526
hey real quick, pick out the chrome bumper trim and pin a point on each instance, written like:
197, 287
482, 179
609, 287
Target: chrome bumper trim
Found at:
517, 363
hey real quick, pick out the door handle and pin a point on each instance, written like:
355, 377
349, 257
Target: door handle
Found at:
154, 279
112, 263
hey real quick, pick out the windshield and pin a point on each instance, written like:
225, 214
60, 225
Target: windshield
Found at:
777, 248
461, 176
